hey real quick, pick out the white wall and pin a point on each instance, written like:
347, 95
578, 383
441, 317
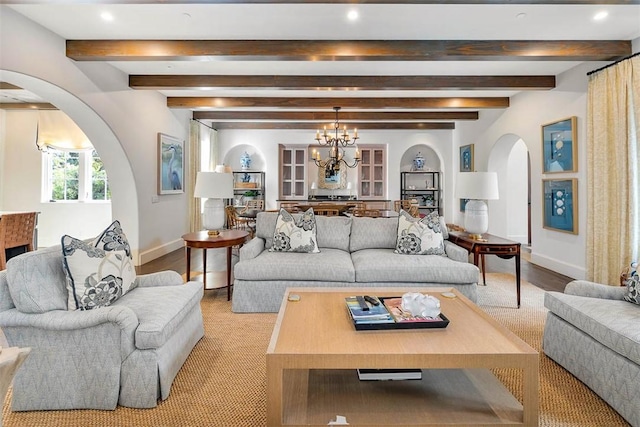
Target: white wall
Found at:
3, 127
22, 190
121, 123
558, 251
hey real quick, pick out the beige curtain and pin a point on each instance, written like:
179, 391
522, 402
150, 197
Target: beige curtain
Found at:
57, 130
195, 217
613, 158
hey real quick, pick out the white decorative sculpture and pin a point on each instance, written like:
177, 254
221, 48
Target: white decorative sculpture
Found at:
421, 305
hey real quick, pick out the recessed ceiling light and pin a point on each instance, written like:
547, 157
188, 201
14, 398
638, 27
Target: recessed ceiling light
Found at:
521, 15
106, 16
352, 15
600, 15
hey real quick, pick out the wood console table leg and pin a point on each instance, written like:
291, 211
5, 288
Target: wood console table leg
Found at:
188, 263
484, 277
204, 268
228, 273
517, 257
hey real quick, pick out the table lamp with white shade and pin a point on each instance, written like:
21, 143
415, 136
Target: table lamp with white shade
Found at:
477, 187
214, 187
349, 188
314, 186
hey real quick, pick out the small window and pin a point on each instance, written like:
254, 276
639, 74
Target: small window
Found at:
99, 186
75, 176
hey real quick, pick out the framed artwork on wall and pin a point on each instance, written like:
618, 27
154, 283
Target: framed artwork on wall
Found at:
463, 204
170, 165
559, 146
560, 205
330, 179
466, 158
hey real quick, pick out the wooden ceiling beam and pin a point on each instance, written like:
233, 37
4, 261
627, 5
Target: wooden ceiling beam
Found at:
348, 2
348, 50
363, 103
27, 106
184, 82
326, 116
9, 86
314, 126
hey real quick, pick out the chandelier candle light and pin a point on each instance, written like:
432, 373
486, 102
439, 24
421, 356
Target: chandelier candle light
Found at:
336, 144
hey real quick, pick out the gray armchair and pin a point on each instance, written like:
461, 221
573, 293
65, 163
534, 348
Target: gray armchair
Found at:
128, 353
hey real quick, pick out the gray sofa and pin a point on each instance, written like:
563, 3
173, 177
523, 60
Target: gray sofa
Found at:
593, 333
355, 251
127, 353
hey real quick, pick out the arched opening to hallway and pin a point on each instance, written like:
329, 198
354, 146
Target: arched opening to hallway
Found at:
510, 215
124, 202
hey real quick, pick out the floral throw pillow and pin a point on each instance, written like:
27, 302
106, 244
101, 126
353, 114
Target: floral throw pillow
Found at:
291, 235
419, 236
633, 285
99, 272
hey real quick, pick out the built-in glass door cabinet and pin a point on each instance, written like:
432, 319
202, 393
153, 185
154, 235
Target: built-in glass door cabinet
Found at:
293, 172
425, 188
248, 184
372, 168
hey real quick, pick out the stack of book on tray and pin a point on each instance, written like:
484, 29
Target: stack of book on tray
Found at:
367, 311
372, 313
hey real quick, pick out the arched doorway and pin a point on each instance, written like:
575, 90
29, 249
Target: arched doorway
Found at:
510, 215
124, 201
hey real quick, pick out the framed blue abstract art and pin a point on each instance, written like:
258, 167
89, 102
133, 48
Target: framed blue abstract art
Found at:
560, 205
466, 158
559, 146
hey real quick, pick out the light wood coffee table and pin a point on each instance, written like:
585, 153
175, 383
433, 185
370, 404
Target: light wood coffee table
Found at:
314, 353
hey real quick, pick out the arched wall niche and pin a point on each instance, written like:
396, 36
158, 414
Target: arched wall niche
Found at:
124, 200
432, 160
232, 157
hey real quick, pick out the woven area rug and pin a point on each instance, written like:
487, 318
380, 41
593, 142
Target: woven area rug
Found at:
223, 381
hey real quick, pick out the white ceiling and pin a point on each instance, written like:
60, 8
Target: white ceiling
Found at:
329, 22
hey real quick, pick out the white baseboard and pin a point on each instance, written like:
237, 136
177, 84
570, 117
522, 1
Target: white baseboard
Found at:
151, 254
570, 270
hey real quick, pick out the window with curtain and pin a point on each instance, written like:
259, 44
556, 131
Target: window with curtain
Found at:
613, 170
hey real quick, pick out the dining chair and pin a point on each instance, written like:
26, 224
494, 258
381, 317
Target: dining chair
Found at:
414, 211
401, 204
236, 222
290, 207
16, 230
372, 213
255, 204
326, 211
356, 205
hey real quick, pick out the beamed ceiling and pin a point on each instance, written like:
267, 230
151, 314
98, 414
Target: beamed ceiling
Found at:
285, 64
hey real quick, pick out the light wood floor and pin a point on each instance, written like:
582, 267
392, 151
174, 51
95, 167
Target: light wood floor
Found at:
536, 275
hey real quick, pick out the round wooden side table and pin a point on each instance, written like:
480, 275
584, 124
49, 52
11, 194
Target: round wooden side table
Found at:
202, 240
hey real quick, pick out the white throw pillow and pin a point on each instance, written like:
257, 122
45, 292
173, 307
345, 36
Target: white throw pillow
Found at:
100, 272
295, 236
419, 236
